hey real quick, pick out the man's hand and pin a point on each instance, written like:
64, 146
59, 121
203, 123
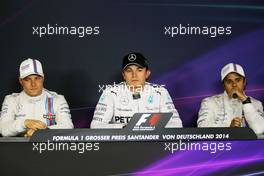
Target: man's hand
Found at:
240, 95
29, 133
34, 124
236, 122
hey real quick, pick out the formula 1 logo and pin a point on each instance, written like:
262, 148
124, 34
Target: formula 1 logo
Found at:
147, 122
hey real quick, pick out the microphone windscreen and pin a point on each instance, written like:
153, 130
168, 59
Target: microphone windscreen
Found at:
234, 95
136, 96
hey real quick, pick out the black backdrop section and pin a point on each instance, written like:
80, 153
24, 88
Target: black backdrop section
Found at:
110, 159
121, 158
75, 66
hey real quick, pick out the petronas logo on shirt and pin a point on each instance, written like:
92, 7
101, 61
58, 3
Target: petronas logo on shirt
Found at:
102, 98
150, 99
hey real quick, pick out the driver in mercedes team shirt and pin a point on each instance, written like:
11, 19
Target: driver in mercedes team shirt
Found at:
119, 102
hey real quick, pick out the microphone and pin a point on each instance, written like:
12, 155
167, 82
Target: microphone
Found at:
234, 95
136, 96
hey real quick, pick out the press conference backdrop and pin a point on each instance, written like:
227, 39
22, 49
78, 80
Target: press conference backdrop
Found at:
81, 45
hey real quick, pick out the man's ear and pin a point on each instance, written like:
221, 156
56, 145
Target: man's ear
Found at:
20, 81
245, 82
123, 75
223, 84
148, 74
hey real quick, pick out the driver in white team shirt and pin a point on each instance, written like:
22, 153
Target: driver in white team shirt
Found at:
118, 103
233, 108
34, 108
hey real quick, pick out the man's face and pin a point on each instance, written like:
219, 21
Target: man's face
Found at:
232, 82
136, 76
32, 85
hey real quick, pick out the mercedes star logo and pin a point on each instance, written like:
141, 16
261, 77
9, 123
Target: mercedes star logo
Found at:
132, 57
